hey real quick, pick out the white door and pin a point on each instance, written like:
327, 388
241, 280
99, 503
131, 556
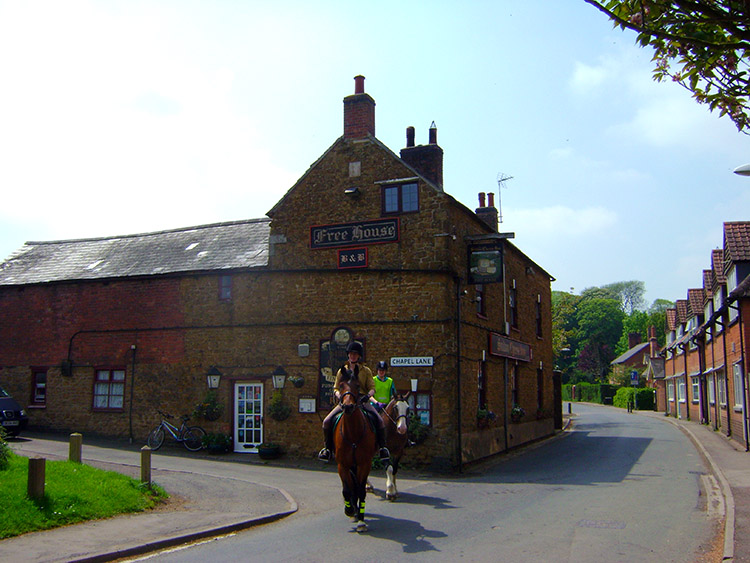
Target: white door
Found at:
248, 417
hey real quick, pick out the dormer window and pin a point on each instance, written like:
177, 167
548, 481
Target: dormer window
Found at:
400, 198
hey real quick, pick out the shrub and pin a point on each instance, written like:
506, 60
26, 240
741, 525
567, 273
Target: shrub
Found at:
5, 451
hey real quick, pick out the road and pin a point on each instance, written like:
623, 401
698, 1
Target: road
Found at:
618, 487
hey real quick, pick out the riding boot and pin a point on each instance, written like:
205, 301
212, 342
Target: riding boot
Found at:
385, 455
325, 453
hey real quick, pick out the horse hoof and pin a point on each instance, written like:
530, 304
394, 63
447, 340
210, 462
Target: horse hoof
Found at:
390, 497
361, 527
369, 488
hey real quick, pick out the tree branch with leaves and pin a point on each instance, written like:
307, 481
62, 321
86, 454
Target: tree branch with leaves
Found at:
703, 45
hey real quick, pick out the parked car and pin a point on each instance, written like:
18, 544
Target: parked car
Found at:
13, 418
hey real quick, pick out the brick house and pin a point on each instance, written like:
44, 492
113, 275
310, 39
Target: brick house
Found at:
705, 358
99, 333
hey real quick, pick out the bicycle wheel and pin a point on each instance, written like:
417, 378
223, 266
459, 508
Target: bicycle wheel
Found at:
192, 438
156, 438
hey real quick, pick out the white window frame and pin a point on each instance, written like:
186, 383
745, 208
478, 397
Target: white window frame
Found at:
682, 391
737, 378
670, 390
711, 380
721, 388
695, 389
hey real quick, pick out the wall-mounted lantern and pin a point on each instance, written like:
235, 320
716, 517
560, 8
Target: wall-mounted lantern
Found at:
214, 377
414, 383
279, 377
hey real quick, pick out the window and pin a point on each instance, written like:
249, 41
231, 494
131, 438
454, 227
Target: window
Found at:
402, 198
538, 312
737, 377
109, 389
718, 302
225, 288
711, 390
420, 404
539, 389
670, 390
694, 389
514, 384
682, 391
479, 291
708, 312
721, 388
513, 305
39, 386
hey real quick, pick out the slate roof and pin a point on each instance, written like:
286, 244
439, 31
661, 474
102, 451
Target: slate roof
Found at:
736, 241
219, 246
633, 352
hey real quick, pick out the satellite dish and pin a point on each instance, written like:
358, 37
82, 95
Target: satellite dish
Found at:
743, 170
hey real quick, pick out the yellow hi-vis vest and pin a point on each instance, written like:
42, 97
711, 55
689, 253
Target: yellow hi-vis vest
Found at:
384, 390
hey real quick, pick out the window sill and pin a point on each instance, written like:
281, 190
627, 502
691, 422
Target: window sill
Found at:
36, 406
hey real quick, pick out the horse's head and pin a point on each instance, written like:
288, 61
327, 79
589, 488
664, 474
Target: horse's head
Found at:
400, 413
349, 388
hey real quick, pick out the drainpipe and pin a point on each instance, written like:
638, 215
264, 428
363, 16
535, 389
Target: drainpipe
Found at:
132, 385
685, 375
458, 374
726, 377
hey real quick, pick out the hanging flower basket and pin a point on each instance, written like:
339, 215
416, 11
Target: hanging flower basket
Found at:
210, 408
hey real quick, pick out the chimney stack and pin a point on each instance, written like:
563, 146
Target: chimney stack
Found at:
427, 160
359, 112
488, 213
653, 343
634, 339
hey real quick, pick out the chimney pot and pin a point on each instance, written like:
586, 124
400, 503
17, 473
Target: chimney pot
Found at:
433, 134
410, 136
359, 84
491, 200
481, 199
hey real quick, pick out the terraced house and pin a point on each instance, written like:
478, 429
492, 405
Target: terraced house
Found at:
367, 245
705, 358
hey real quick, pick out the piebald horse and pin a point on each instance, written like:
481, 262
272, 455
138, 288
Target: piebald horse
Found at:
395, 417
355, 443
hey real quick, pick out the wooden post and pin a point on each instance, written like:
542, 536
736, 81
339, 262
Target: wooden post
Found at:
146, 465
74, 447
35, 489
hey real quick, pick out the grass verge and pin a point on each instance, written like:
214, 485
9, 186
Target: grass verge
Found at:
73, 493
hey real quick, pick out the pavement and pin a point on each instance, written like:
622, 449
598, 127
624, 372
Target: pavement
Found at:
207, 502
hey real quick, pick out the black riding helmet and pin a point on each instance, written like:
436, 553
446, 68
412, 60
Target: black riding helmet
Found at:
382, 365
355, 346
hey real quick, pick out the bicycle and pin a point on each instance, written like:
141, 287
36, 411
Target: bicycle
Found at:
190, 436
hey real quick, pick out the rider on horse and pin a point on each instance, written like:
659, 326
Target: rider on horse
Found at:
385, 390
367, 384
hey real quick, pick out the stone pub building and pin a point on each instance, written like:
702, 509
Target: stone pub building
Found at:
97, 334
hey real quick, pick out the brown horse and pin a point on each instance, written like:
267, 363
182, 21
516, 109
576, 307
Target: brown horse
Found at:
395, 417
354, 440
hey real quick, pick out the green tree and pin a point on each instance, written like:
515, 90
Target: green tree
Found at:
703, 45
600, 323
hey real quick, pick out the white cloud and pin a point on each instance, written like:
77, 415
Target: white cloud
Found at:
559, 222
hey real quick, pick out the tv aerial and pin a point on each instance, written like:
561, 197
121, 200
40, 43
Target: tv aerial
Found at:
501, 179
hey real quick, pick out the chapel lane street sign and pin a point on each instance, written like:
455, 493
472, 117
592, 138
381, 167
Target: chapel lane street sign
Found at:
344, 235
412, 361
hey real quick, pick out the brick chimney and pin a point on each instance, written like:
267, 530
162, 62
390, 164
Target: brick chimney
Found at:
653, 343
634, 339
488, 213
359, 112
427, 160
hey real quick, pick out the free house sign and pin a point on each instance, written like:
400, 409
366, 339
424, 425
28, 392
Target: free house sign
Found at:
344, 235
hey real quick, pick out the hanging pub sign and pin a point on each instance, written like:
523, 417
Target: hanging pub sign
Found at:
486, 263
354, 234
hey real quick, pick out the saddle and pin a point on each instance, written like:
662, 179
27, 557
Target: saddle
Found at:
369, 415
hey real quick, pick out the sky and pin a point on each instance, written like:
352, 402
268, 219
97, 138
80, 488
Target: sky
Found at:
121, 117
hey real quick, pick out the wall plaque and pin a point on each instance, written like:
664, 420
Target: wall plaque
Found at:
508, 348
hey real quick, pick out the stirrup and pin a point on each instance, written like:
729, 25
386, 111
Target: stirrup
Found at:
324, 455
